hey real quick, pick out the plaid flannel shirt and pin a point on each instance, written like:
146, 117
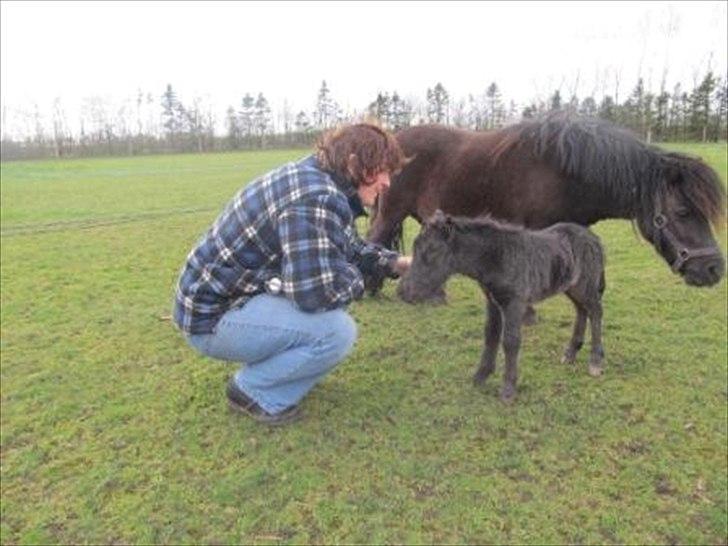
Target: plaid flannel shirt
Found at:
296, 224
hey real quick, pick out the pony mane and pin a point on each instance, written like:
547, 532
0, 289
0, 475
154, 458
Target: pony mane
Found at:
465, 224
700, 185
612, 161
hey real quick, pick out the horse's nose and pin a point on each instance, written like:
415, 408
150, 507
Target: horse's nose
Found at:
715, 269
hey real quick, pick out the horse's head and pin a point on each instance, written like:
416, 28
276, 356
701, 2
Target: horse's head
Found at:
431, 261
677, 219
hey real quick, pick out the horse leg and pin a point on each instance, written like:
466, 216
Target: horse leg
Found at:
388, 218
386, 229
493, 331
512, 315
577, 336
596, 359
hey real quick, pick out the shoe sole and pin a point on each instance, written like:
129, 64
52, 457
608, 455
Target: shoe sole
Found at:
272, 420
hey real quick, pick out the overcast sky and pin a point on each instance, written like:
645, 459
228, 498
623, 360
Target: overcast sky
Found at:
221, 50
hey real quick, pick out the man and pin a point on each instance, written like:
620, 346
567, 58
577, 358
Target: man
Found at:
268, 284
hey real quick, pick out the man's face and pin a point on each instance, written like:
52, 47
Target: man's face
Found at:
372, 186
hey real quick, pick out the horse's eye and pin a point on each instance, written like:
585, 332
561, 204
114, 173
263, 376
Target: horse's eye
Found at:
682, 212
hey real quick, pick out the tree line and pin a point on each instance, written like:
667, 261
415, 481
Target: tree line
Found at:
164, 124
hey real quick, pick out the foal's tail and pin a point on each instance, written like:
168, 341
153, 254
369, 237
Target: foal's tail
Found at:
589, 252
596, 260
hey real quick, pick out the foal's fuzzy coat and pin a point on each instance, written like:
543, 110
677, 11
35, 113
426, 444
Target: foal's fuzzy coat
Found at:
515, 267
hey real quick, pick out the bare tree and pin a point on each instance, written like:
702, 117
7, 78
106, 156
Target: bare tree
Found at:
60, 128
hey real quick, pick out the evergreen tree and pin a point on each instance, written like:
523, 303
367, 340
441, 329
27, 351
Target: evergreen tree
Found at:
326, 108
700, 105
381, 109
233, 129
302, 123
555, 101
662, 102
635, 110
171, 110
530, 111
261, 118
607, 109
495, 111
401, 112
196, 124
438, 102
588, 107
720, 123
676, 114
246, 116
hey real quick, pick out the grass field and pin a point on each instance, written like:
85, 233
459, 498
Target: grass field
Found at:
115, 431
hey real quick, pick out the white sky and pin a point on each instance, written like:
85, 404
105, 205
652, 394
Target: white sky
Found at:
221, 50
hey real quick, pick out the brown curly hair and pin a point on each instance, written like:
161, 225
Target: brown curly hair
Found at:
374, 148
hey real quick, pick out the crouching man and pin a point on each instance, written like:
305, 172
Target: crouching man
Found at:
268, 285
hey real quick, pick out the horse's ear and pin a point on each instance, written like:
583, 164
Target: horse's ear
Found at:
407, 160
673, 168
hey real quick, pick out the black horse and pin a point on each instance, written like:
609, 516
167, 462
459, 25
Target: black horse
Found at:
515, 267
561, 169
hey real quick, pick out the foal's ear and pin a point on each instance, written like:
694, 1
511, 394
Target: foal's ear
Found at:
442, 222
438, 218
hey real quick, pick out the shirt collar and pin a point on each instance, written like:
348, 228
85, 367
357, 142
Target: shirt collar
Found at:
346, 186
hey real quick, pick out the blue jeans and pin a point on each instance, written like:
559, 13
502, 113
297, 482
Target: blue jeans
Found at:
285, 351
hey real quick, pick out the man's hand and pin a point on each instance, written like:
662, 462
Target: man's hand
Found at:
401, 265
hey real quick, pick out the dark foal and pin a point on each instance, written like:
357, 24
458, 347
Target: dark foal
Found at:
515, 267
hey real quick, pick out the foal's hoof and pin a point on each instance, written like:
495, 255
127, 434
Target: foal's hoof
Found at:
508, 395
595, 371
479, 378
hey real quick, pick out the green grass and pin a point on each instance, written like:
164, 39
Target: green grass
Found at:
114, 430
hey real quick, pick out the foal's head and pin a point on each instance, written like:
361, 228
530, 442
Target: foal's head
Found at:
432, 261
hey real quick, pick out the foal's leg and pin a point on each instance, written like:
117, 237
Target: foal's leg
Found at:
597, 351
512, 315
529, 316
493, 330
577, 336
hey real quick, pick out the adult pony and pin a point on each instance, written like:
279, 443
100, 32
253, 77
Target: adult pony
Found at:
561, 168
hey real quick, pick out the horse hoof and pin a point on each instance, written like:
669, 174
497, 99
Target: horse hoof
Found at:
567, 359
595, 371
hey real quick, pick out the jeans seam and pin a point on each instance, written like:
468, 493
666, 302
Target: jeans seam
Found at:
312, 340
